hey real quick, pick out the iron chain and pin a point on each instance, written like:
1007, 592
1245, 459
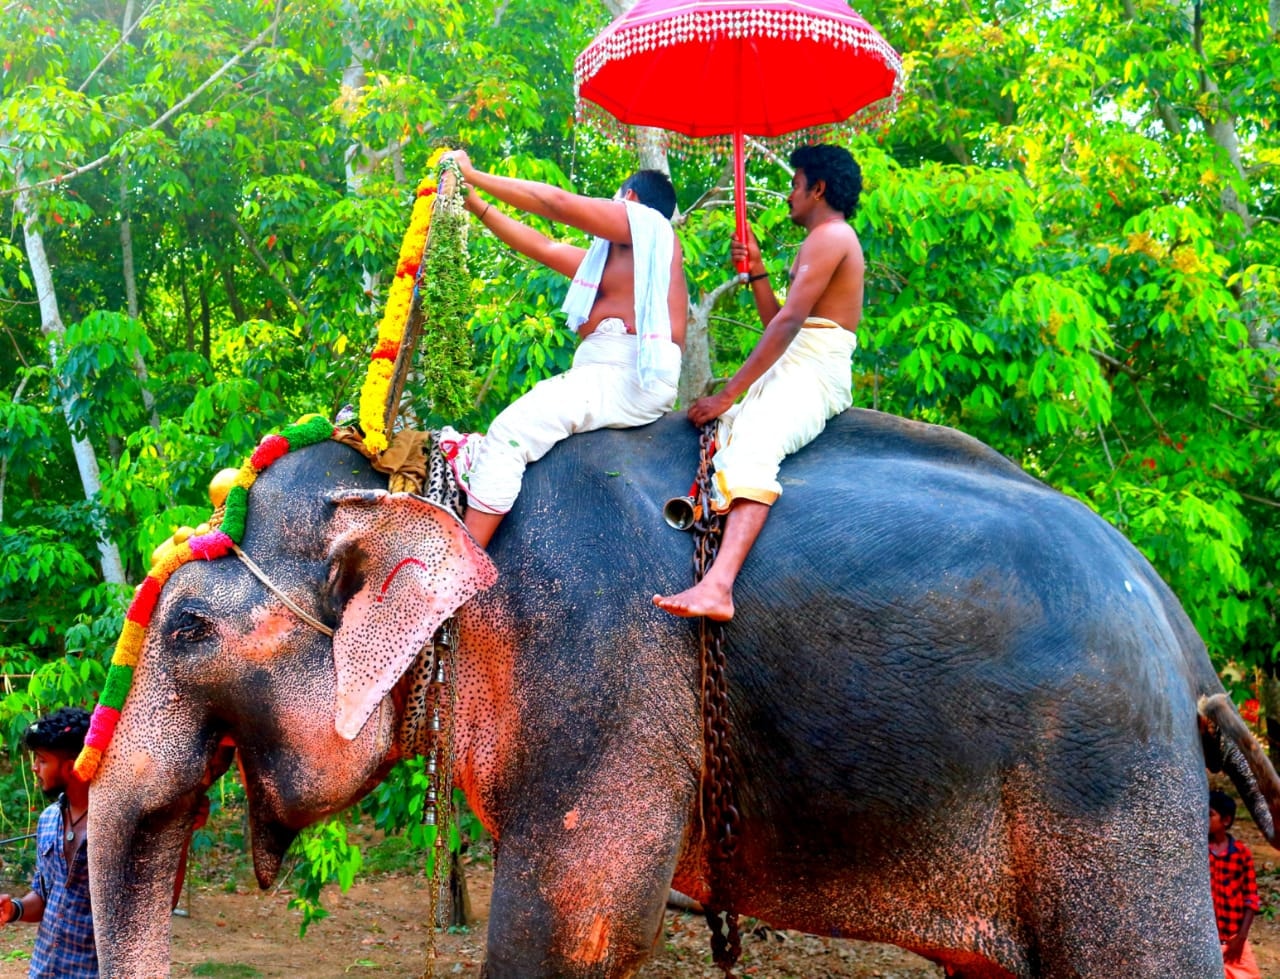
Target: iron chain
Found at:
719, 814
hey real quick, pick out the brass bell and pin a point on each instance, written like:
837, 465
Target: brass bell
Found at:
680, 512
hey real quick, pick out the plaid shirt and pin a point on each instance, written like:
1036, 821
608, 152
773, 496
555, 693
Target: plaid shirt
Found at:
1234, 886
64, 941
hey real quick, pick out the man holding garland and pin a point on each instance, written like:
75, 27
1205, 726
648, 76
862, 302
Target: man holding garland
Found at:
628, 303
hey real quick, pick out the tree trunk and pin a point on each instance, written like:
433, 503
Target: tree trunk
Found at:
358, 159
695, 371
695, 368
186, 312
1222, 130
54, 331
206, 319
1269, 697
233, 298
131, 290
4, 462
651, 148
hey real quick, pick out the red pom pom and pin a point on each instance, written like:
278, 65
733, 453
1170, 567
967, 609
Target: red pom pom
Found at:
268, 451
144, 601
386, 350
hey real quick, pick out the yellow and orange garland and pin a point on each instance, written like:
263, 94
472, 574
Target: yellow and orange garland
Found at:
377, 382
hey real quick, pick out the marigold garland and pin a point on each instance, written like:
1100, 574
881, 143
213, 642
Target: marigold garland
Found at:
377, 382
225, 531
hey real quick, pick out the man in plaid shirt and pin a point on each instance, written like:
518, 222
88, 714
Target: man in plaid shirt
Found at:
1235, 889
59, 896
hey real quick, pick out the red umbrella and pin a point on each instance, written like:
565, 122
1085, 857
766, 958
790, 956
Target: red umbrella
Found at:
718, 68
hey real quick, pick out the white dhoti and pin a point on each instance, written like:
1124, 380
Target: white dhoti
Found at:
601, 390
783, 411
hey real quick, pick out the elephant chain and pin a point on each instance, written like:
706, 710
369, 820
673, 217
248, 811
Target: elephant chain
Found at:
719, 814
438, 808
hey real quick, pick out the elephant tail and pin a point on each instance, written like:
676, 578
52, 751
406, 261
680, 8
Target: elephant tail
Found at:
1230, 747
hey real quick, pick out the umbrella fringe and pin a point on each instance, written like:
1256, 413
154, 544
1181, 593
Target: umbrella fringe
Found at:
592, 119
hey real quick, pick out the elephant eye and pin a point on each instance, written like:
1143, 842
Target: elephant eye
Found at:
189, 627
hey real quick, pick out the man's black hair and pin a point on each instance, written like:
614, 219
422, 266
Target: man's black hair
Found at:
836, 166
653, 189
1222, 804
62, 731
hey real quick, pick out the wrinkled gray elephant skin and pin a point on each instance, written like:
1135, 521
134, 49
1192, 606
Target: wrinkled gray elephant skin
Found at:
967, 716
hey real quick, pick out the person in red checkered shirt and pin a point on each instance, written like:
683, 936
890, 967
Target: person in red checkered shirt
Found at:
1235, 889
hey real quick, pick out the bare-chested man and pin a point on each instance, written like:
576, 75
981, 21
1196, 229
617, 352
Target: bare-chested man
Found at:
628, 302
797, 377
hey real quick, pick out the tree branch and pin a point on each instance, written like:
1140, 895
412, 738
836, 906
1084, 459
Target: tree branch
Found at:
1232, 415
262, 262
1259, 499
1119, 365
734, 321
117, 46
773, 157
174, 110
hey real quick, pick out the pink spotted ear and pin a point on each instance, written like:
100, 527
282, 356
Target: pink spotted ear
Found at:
416, 565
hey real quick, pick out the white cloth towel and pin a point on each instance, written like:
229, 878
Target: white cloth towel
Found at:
783, 411
652, 242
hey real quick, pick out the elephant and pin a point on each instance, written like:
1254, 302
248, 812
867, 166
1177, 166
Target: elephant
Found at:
966, 715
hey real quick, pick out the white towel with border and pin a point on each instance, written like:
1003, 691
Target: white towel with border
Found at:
652, 243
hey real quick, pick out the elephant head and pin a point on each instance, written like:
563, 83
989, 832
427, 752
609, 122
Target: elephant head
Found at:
227, 656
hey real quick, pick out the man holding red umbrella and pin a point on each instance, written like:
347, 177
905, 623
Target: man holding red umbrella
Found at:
798, 376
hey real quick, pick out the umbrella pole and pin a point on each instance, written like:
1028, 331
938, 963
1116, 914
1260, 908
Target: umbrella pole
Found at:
740, 192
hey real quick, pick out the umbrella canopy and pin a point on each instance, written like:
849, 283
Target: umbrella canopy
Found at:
718, 68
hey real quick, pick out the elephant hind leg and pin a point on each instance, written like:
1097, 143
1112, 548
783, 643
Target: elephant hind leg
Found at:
1092, 885
568, 908
537, 941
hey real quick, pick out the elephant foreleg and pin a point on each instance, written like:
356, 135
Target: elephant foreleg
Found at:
581, 898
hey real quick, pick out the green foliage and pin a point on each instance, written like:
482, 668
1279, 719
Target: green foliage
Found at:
1071, 229
446, 355
324, 854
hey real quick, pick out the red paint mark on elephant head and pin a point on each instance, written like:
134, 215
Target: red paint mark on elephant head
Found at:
386, 583
270, 629
571, 819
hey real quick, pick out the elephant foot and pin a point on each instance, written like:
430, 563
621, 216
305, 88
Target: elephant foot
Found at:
704, 598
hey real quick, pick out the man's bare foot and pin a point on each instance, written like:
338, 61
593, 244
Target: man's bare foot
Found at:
702, 599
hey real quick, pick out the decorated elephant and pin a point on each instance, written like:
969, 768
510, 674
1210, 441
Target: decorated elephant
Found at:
966, 716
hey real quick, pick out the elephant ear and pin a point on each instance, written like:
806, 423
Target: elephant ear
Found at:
411, 564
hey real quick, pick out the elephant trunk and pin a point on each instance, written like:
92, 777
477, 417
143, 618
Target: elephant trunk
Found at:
131, 885
141, 813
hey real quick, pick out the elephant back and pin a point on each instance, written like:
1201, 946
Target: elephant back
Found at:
891, 538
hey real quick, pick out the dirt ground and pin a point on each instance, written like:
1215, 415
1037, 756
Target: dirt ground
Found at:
375, 929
